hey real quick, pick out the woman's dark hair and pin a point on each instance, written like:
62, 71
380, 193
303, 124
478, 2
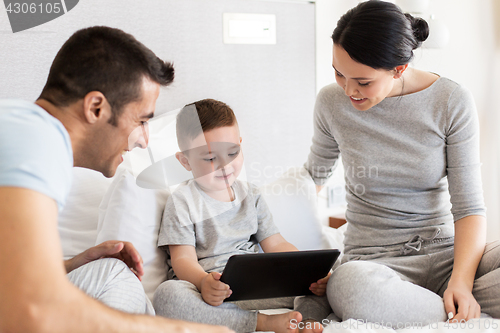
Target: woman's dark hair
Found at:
107, 60
378, 34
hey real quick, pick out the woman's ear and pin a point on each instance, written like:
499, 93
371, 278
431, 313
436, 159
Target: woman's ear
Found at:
399, 70
95, 106
183, 160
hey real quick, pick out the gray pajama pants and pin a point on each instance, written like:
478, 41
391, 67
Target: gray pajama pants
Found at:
178, 299
111, 282
402, 284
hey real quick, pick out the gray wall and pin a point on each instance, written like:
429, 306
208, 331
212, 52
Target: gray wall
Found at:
270, 87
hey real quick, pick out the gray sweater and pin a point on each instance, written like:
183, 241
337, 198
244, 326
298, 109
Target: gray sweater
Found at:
411, 162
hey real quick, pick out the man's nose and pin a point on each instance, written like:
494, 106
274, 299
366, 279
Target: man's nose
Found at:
143, 139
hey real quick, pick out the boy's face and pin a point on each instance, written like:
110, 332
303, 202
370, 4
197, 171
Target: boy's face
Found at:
215, 158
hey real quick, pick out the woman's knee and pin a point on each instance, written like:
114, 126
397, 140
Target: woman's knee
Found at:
351, 286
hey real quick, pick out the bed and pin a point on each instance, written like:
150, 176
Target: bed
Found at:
100, 209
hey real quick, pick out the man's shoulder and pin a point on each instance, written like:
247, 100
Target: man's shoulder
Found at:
20, 116
35, 150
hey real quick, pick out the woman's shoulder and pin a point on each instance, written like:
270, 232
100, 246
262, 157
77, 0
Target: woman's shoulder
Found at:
423, 81
332, 94
331, 89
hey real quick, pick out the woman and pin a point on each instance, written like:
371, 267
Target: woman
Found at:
409, 142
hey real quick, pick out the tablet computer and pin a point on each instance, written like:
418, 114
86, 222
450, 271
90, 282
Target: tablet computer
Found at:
280, 274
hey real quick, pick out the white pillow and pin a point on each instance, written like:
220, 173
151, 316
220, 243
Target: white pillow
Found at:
131, 213
292, 200
77, 222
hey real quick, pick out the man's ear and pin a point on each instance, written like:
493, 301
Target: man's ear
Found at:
95, 106
184, 160
399, 70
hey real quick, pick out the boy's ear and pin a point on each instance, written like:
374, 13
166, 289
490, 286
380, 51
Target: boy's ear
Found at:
95, 105
183, 159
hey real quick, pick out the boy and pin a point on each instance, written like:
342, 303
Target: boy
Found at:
212, 217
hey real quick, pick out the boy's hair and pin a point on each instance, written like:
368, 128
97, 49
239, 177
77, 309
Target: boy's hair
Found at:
107, 60
202, 116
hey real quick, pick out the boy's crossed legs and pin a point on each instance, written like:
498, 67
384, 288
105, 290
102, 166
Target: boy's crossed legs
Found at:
180, 299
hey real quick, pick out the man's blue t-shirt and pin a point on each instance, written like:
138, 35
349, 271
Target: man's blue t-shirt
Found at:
35, 150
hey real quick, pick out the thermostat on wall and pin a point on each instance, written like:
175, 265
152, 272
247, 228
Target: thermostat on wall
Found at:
249, 28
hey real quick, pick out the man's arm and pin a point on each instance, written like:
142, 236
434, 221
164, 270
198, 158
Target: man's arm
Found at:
124, 251
36, 295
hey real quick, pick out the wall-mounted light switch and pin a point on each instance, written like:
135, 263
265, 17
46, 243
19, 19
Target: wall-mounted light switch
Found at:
249, 28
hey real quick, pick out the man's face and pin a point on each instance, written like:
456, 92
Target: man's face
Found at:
131, 131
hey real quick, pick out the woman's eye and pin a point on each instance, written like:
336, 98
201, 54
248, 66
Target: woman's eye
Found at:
338, 74
234, 154
209, 159
364, 84
144, 123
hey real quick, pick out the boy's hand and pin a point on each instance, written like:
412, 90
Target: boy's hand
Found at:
319, 288
213, 291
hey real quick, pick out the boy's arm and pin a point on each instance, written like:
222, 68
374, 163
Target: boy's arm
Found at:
276, 243
36, 294
185, 264
186, 267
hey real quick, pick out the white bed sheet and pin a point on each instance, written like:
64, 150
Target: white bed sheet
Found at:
472, 326
482, 325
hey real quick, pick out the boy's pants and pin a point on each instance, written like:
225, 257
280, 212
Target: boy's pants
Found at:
180, 299
403, 284
111, 282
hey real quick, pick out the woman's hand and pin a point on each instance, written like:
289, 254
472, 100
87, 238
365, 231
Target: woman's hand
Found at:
213, 291
459, 296
319, 288
123, 251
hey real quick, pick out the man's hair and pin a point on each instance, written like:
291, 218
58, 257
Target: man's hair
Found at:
202, 116
107, 60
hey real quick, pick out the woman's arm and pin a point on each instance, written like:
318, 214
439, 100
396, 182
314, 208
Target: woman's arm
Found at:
470, 240
324, 151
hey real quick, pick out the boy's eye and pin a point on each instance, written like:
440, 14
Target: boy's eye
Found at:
209, 159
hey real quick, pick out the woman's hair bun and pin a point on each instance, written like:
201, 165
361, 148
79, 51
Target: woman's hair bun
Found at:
420, 28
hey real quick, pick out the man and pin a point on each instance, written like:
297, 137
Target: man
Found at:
102, 85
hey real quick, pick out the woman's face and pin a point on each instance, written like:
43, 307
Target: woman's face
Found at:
364, 85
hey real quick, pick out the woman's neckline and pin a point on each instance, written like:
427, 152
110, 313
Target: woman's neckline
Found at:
414, 92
